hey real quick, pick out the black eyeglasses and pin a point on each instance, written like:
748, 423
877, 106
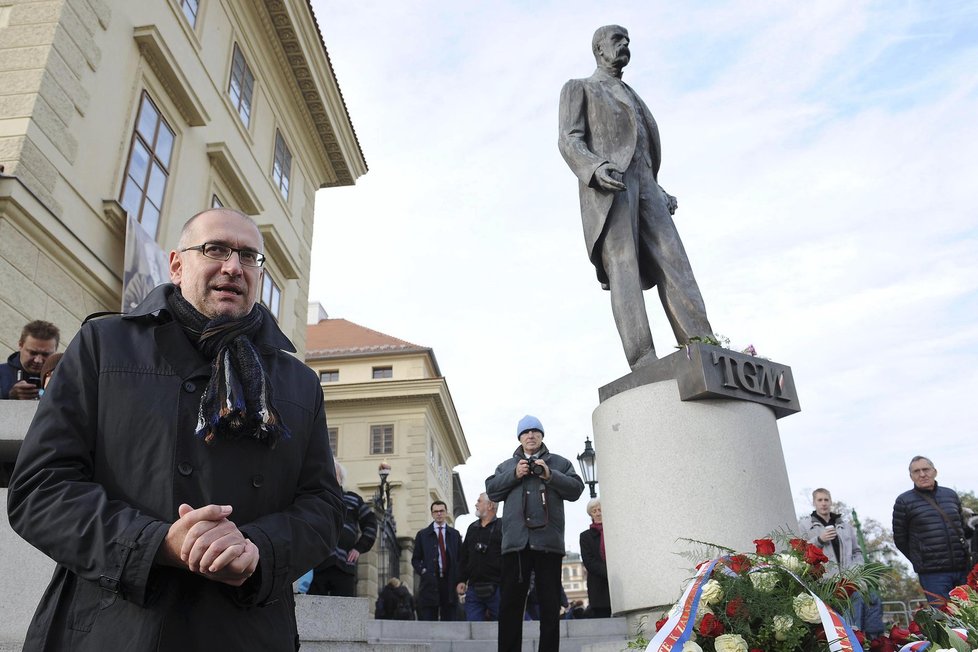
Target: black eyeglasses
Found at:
248, 257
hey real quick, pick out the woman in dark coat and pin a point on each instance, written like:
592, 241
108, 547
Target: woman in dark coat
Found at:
593, 556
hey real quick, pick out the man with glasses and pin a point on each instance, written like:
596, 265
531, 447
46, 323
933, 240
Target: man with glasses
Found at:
179, 470
929, 530
20, 375
435, 560
534, 483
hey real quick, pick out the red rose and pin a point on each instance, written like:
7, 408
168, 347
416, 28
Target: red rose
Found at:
960, 593
764, 546
737, 609
859, 636
659, 623
820, 634
972, 577
816, 571
711, 626
739, 563
845, 588
899, 635
913, 628
798, 545
882, 644
814, 554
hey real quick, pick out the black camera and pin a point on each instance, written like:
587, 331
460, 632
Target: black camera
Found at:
535, 468
481, 547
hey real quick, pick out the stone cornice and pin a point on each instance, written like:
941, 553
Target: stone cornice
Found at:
312, 89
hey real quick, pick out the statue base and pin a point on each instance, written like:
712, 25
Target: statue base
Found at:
711, 470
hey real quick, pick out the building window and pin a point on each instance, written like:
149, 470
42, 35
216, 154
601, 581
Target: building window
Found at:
242, 86
383, 372
334, 434
271, 295
282, 166
190, 8
382, 440
216, 202
331, 376
149, 166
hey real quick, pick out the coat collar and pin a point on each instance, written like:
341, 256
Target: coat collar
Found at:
543, 453
174, 345
270, 336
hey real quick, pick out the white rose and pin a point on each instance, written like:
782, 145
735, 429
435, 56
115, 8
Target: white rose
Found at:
691, 646
806, 609
781, 626
791, 562
701, 611
764, 581
712, 593
730, 643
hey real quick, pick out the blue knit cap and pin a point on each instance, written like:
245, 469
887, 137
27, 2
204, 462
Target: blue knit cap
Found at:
528, 423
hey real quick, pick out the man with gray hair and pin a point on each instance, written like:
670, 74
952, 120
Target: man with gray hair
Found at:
610, 141
929, 530
479, 564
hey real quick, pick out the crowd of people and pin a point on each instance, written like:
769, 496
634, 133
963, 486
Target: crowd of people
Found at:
201, 356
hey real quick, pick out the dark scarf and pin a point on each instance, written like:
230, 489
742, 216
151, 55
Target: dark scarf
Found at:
600, 528
833, 519
238, 399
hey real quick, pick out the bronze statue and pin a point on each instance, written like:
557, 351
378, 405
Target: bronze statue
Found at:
611, 142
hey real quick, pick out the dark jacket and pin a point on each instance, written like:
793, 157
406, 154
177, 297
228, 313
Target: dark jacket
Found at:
598, 595
110, 456
425, 562
481, 562
390, 599
534, 511
922, 534
8, 374
359, 532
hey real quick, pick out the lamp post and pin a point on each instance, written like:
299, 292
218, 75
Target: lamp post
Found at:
588, 470
384, 490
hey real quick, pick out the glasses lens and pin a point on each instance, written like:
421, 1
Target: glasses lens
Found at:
251, 258
216, 251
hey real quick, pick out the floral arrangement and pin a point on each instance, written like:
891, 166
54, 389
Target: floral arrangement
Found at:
766, 601
952, 628
719, 340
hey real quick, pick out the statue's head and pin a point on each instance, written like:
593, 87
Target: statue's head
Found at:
610, 46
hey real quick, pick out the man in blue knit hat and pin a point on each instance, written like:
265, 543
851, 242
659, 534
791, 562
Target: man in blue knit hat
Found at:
533, 484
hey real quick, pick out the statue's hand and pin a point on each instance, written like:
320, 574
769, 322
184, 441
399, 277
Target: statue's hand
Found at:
671, 203
609, 178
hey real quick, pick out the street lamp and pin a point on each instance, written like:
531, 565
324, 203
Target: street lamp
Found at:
383, 471
586, 461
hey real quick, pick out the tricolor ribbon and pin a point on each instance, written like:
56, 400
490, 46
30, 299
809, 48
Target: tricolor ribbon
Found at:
679, 626
916, 646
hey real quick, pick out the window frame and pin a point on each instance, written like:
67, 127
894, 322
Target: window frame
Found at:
333, 437
194, 13
282, 166
385, 438
153, 160
331, 372
274, 300
386, 373
246, 90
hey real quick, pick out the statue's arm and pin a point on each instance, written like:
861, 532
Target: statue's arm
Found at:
573, 132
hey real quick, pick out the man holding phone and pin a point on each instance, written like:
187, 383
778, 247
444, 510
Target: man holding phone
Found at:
20, 376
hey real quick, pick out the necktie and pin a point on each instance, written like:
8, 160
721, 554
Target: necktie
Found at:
441, 550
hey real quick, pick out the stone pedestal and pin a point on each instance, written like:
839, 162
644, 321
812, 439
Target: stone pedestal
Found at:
710, 470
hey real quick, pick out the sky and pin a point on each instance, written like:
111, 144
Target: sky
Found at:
824, 159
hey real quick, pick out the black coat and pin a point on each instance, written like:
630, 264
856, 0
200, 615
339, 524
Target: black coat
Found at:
110, 456
598, 595
924, 537
425, 563
481, 553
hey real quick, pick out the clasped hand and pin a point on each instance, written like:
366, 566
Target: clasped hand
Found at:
523, 468
205, 542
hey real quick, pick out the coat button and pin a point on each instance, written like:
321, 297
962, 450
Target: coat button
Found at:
189, 387
258, 481
185, 468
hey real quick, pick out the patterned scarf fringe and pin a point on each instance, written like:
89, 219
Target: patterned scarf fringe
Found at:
238, 400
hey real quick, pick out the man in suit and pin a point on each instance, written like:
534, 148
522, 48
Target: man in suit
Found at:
435, 559
610, 140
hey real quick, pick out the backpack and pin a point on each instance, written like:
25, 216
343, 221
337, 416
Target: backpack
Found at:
405, 607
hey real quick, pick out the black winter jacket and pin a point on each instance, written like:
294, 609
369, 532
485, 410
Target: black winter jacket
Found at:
598, 595
924, 537
110, 456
